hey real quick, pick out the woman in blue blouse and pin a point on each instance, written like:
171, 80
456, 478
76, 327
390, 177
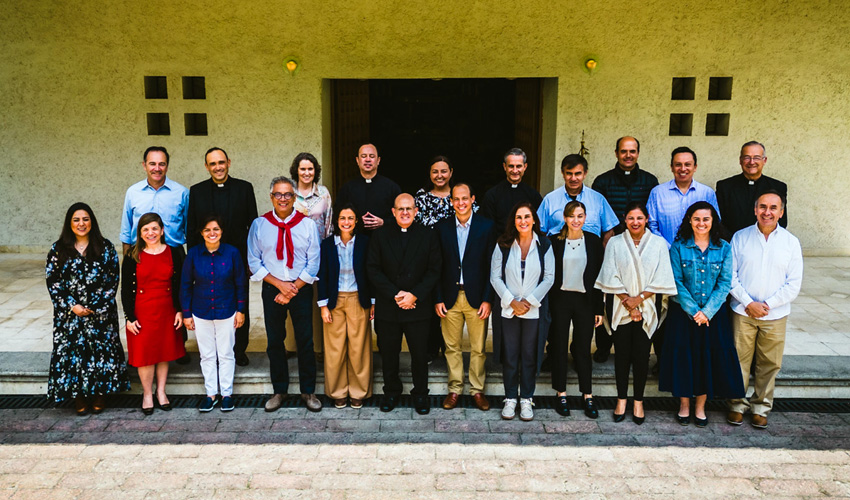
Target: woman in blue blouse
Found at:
699, 357
213, 293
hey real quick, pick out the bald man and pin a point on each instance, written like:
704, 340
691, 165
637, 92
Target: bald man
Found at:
404, 267
371, 193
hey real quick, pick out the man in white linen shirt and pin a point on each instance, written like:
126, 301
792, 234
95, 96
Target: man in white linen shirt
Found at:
766, 277
283, 253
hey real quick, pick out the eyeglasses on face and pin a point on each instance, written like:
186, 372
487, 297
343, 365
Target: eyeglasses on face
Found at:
283, 196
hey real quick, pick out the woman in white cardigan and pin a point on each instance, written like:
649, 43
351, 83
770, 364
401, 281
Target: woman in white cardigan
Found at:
635, 271
522, 271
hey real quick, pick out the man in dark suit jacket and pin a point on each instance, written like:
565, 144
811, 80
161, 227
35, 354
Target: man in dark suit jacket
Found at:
404, 266
464, 293
233, 200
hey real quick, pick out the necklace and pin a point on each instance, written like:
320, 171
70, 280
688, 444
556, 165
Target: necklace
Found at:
575, 246
81, 247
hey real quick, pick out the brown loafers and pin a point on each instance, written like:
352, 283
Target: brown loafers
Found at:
81, 405
481, 401
451, 401
735, 418
759, 422
99, 404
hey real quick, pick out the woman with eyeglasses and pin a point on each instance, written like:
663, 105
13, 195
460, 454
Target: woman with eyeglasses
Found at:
87, 363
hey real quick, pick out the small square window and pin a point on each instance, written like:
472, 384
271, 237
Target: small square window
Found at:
194, 87
158, 124
684, 89
717, 124
156, 87
681, 123
196, 123
720, 88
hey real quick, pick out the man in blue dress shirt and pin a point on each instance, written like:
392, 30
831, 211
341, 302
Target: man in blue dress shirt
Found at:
601, 219
283, 253
161, 195
158, 194
668, 202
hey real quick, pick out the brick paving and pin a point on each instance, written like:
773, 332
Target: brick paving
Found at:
459, 454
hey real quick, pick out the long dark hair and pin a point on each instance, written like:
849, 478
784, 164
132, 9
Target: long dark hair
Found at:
439, 158
338, 208
511, 234
144, 220
717, 231
67, 238
317, 169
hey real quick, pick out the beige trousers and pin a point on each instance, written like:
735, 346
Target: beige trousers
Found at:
452, 326
348, 350
289, 341
767, 339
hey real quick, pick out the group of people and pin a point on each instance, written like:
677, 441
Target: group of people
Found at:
632, 259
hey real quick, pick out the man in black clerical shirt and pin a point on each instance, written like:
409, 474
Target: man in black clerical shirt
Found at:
372, 194
737, 195
621, 185
233, 200
404, 267
501, 198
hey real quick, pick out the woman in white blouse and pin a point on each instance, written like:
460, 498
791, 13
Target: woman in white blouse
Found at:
574, 300
636, 269
522, 272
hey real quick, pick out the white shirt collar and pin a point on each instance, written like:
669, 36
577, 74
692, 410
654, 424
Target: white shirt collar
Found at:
468, 222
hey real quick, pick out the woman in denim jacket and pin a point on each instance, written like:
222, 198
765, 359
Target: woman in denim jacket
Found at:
699, 357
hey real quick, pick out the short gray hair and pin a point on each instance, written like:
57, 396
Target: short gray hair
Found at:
280, 179
515, 152
755, 143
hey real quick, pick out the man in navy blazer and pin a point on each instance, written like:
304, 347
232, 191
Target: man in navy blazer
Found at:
464, 293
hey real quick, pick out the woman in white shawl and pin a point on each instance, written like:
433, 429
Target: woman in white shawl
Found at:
636, 269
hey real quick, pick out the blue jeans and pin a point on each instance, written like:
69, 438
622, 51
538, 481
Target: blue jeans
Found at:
300, 308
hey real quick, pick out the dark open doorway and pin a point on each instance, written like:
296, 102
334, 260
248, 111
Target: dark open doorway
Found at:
472, 121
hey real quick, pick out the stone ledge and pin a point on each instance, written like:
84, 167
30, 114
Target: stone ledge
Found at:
821, 377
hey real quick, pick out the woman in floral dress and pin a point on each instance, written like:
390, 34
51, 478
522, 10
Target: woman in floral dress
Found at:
82, 278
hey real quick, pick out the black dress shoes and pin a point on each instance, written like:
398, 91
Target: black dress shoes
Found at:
389, 403
241, 359
590, 410
638, 420
619, 417
701, 422
420, 404
683, 420
561, 406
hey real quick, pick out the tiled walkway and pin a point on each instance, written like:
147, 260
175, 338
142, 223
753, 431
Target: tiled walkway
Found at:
819, 323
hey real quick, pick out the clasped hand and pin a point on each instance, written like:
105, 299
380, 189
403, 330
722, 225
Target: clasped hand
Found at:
288, 290
405, 300
520, 307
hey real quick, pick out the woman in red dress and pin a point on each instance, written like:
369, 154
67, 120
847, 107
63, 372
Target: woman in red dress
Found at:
150, 288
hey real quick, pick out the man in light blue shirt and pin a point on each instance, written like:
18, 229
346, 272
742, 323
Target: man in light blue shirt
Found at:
283, 253
601, 219
158, 194
668, 202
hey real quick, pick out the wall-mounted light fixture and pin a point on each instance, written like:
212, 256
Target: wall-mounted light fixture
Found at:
292, 65
590, 64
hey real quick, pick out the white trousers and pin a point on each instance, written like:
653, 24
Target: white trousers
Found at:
215, 340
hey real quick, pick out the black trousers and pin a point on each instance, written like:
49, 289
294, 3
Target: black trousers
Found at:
631, 353
301, 310
242, 332
436, 344
390, 334
519, 356
566, 308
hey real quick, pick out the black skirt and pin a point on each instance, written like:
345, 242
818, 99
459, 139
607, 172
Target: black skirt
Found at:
700, 360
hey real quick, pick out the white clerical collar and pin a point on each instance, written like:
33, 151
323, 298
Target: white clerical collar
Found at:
514, 186
627, 172
403, 229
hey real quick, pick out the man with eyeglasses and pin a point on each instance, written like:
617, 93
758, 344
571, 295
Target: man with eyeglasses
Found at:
283, 253
404, 267
737, 194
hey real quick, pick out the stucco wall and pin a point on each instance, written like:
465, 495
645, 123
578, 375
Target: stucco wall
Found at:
73, 107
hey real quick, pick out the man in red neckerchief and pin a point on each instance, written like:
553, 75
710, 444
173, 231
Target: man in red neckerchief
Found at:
283, 253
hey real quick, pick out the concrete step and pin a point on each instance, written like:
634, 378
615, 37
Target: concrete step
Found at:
808, 377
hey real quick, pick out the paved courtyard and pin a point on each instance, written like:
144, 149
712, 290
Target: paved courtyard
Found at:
459, 454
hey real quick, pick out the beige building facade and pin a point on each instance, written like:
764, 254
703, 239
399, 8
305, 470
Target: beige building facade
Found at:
75, 113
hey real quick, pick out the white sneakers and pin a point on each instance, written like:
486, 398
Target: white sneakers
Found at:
526, 413
509, 411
